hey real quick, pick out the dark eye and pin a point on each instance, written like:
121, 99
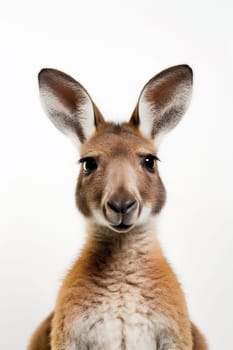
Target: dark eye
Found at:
89, 165
149, 162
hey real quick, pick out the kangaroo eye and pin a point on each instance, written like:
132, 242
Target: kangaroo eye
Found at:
89, 165
149, 162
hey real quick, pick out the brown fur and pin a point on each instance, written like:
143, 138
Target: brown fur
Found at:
159, 91
113, 141
199, 342
162, 290
129, 264
41, 337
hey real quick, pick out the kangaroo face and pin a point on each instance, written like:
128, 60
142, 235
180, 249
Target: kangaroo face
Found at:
119, 184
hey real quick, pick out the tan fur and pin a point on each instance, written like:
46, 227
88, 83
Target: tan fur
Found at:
199, 342
159, 289
41, 337
121, 293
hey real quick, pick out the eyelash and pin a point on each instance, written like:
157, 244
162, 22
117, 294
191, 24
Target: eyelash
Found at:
84, 159
151, 155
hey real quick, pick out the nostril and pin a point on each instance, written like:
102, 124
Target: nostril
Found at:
129, 205
123, 207
115, 206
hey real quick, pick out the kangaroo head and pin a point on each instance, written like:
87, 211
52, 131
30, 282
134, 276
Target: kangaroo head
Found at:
119, 184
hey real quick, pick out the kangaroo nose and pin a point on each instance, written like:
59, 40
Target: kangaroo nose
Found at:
123, 206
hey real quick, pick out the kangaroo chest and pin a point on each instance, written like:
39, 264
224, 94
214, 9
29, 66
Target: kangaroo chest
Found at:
123, 322
120, 312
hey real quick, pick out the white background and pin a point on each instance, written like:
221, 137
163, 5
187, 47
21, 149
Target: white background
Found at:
113, 48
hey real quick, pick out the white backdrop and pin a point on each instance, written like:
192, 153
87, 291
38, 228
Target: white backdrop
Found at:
113, 48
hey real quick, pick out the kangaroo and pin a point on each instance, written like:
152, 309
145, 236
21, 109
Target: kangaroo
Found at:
120, 294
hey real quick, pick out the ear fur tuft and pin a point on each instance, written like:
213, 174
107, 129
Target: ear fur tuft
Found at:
163, 101
68, 105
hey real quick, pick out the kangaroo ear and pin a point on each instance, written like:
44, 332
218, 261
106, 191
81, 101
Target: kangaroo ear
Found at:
163, 101
68, 105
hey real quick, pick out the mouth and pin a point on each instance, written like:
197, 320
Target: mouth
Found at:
121, 227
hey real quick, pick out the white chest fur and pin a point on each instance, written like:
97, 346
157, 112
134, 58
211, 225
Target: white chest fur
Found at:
120, 324
119, 317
